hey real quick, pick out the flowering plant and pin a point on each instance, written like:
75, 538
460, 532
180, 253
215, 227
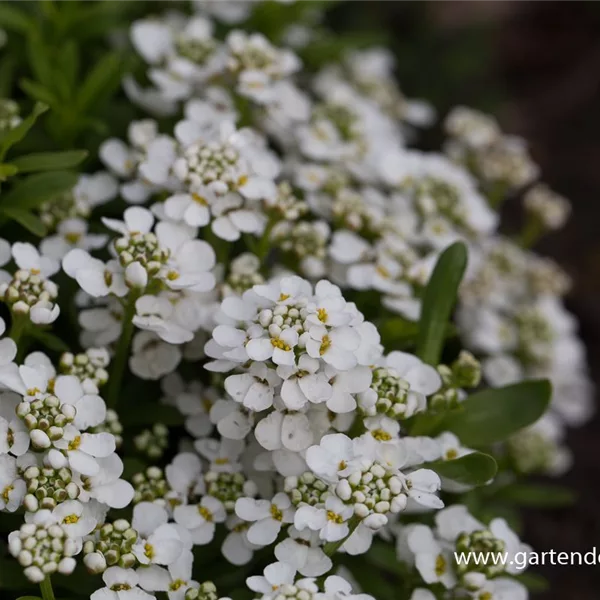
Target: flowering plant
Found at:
261, 340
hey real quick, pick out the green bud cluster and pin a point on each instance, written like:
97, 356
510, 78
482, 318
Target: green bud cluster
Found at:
45, 415
153, 442
26, 289
195, 50
86, 366
150, 485
306, 488
483, 542
114, 541
143, 248
48, 487
392, 392
9, 114
226, 487
206, 591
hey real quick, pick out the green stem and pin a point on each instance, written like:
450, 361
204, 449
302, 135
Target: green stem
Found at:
17, 333
531, 233
122, 352
46, 589
330, 548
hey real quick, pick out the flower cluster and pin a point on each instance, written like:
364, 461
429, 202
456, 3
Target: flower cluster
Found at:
242, 365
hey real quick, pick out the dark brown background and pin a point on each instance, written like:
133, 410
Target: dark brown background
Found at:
536, 65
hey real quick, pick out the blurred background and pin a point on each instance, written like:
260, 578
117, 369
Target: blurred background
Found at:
536, 66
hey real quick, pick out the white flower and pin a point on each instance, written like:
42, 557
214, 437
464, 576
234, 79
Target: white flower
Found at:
12, 487
433, 561
268, 517
304, 383
95, 277
74, 518
71, 233
331, 521
28, 258
302, 551
121, 584
336, 347
157, 314
292, 431
332, 458
274, 576
254, 389
236, 548
80, 450
421, 486
159, 542
152, 358
14, 437
201, 519
106, 486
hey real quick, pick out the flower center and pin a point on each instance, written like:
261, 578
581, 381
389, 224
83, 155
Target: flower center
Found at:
283, 297
381, 435
70, 519
73, 237
322, 314
199, 199
120, 587
325, 345
75, 443
440, 565
149, 551
334, 517
279, 343
205, 513
276, 512
451, 454
6, 492
175, 585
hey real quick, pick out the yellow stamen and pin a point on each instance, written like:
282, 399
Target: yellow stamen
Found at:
276, 513
325, 345
148, 551
199, 199
381, 435
283, 297
451, 454
334, 517
75, 443
322, 314
440, 565
70, 519
205, 513
279, 343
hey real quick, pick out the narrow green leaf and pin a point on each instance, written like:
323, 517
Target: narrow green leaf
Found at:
29, 598
35, 189
537, 495
7, 171
438, 301
49, 340
49, 161
25, 218
494, 414
102, 80
38, 92
533, 582
472, 469
13, 19
16, 134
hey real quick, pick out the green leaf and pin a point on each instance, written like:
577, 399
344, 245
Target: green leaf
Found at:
25, 218
38, 92
538, 495
155, 413
472, 469
33, 190
494, 414
102, 80
13, 19
16, 134
7, 171
398, 332
438, 301
29, 598
49, 340
49, 161
533, 582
